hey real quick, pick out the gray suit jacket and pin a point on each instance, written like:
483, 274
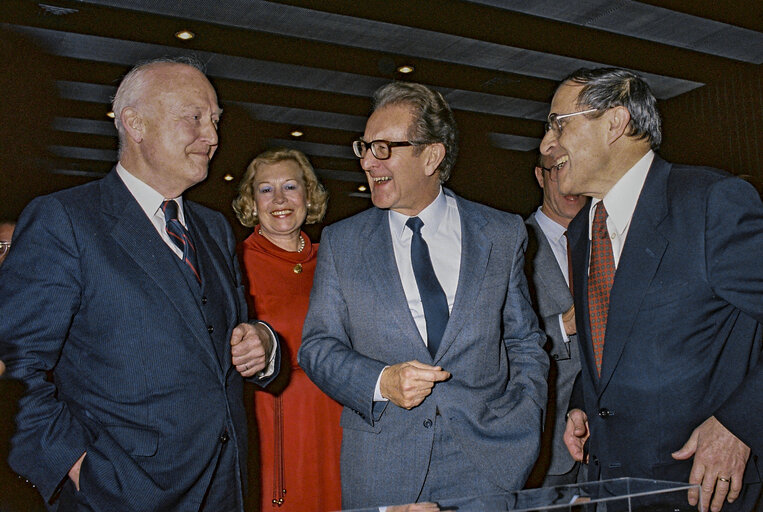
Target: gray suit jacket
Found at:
552, 297
359, 322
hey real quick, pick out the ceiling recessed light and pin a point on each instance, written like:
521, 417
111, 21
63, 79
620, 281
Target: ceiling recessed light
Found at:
228, 177
185, 35
405, 69
110, 114
362, 188
297, 133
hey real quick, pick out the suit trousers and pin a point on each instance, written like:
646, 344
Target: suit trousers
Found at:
450, 474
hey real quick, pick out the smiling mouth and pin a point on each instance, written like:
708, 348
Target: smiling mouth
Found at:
279, 213
381, 179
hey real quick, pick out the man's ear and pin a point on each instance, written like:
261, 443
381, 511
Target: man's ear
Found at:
434, 154
133, 123
619, 119
539, 175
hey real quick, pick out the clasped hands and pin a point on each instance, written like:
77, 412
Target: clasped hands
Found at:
719, 458
408, 384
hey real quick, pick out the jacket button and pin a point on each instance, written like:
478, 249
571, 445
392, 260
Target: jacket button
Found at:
203, 300
427, 423
210, 329
224, 437
604, 412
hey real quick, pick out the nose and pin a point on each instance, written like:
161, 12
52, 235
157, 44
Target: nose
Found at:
368, 161
278, 195
548, 142
209, 132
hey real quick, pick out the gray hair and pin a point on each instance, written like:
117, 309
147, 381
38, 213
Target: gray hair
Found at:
433, 120
604, 88
130, 89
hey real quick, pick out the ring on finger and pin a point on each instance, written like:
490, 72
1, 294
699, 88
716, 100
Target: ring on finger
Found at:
724, 479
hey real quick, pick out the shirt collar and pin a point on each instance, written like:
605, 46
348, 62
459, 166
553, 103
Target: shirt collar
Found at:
621, 200
552, 229
149, 199
431, 216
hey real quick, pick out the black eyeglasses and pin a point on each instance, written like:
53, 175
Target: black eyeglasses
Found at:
381, 149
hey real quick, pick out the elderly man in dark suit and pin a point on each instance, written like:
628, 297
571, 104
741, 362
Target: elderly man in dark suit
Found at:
420, 323
668, 285
550, 286
131, 298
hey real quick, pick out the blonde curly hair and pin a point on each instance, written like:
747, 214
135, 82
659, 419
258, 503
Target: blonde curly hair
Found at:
317, 197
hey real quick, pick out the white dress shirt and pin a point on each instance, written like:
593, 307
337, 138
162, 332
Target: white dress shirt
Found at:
620, 203
442, 233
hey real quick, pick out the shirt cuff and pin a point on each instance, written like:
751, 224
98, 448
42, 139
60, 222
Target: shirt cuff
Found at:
561, 327
377, 390
271, 366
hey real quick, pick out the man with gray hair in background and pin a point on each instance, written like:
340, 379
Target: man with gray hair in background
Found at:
420, 323
668, 289
130, 296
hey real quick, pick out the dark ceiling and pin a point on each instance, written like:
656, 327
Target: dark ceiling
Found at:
312, 66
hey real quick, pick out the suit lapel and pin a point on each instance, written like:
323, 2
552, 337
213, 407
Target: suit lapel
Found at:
385, 278
580, 247
548, 273
475, 250
134, 233
643, 250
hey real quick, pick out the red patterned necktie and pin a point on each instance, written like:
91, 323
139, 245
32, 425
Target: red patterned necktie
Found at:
601, 274
180, 236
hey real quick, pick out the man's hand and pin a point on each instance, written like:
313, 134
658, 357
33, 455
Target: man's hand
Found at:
250, 348
719, 462
74, 471
568, 318
408, 384
576, 433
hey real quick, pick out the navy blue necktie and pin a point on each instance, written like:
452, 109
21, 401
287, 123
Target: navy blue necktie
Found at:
432, 296
180, 236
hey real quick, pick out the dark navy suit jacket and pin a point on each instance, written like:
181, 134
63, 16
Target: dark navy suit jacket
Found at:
140, 355
683, 337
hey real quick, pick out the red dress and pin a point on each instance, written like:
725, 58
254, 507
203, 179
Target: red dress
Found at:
300, 436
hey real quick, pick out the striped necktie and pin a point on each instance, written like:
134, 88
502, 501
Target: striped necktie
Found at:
180, 236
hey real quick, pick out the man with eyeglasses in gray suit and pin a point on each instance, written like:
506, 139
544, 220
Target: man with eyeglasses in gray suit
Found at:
550, 286
420, 323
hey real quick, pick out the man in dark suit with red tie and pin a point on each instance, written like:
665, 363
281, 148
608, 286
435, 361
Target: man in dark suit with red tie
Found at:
130, 297
668, 295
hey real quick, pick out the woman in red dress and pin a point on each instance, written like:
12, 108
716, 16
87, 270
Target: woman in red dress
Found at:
300, 437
